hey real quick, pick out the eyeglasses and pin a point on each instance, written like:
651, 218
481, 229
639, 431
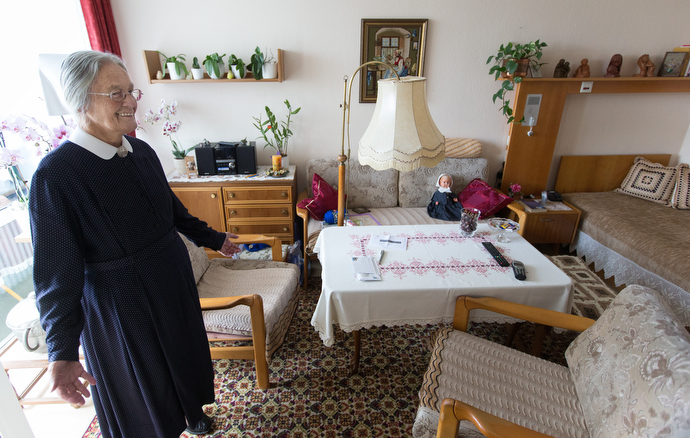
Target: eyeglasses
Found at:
119, 95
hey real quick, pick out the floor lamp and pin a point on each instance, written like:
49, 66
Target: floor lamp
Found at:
401, 135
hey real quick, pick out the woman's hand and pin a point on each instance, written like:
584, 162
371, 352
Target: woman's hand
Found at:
64, 377
229, 248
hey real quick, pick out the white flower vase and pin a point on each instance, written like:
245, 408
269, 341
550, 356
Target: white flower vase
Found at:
173, 75
270, 70
21, 215
285, 160
221, 70
180, 166
235, 71
198, 73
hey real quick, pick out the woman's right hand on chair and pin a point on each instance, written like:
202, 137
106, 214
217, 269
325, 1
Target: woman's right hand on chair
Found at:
64, 377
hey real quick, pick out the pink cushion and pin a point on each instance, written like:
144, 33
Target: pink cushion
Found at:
483, 197
325, 198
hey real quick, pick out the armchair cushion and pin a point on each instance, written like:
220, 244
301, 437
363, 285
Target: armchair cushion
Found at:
483, 197
632, 369
198, 257
324, 198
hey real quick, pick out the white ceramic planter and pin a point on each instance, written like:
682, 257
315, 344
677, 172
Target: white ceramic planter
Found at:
221, 70
173, 75
235, 71
180, 166
270, 70
198, 73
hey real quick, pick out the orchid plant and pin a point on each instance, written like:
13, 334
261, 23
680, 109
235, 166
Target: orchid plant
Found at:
279, 133
170, 125
39, 136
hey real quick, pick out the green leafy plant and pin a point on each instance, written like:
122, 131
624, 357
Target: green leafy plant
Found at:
179, 63
234, 60
195, 63
258, 60
212, 64
276, 136
506, 62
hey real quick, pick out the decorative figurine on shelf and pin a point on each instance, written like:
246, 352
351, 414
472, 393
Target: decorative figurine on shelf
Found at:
562, 69
444, 203
614, 68
583, 70
646, 67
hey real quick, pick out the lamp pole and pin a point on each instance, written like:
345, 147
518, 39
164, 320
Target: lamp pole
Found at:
342, 158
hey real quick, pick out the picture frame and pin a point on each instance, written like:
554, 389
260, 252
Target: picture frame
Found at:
673, 64
190, 164
401, 42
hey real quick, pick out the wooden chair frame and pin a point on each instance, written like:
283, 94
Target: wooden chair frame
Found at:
452, 411
257, 351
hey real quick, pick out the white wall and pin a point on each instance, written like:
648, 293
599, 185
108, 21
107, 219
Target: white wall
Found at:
321, 40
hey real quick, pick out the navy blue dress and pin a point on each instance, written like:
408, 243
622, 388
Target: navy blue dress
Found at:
447, 209
111, 271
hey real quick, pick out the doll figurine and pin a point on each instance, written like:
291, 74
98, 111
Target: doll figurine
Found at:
444, 204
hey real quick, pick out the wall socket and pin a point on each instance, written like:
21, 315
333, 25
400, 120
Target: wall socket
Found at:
586, 87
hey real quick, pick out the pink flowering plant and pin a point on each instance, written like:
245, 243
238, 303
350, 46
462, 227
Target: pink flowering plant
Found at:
514, 189
170, 125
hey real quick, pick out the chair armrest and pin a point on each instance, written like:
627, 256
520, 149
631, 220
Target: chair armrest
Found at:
221, 303
274, 242
452, 411
302, 212
528, 313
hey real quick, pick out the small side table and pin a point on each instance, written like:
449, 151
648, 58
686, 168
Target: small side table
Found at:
553, 226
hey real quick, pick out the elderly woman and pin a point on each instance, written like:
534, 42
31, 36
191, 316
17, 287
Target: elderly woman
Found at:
111, 271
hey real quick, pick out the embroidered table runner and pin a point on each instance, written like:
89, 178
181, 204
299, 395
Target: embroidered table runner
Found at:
420, 285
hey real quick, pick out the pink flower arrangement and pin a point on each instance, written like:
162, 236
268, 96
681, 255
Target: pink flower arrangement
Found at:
515, 188
37, 133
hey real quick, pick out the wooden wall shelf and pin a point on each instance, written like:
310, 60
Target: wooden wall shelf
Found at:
152, 61
528, 159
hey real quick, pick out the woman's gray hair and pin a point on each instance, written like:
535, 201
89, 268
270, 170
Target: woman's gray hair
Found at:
77, 73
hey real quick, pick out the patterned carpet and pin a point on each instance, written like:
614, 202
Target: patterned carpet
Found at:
313, 393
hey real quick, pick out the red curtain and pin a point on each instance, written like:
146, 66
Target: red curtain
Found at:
100, 25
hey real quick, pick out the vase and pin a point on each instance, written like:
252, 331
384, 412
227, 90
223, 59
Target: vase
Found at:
173, 74
521, 72
21, 215
285, 161
198, 73
221, 71
235, 71
270, 70
180, 166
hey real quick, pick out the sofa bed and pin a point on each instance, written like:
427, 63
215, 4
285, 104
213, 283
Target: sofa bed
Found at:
390, 197
634, 222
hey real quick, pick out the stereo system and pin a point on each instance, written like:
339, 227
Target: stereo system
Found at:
226, 158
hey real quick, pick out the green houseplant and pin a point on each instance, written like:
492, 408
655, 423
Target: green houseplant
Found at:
215, 67
197, 71
276, 136
512, 62
237, 66
258, 61
175, 64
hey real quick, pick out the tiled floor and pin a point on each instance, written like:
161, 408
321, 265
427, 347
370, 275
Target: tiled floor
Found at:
47, 420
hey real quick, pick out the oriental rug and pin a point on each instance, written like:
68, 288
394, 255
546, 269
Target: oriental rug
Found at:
313, 393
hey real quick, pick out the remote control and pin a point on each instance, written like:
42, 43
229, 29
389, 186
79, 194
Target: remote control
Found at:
495, 254
519, 270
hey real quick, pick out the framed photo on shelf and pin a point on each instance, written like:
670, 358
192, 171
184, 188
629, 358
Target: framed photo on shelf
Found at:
398, 42
674, 64
190, 164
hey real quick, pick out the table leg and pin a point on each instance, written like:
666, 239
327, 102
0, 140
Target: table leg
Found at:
512, 329
540, 332
354, 364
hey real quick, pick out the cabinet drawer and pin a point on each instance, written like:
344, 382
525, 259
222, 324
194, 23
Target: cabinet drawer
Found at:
550, 228
273, 229
244, 195
268, 212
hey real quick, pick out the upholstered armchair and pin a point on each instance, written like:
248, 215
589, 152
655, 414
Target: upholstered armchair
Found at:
246, 300
628, 374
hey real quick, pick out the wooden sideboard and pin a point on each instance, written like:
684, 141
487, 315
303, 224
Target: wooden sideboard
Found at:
528, 159
241, 204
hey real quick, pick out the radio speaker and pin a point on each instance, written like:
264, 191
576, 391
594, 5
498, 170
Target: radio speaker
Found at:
205, 160
246, 159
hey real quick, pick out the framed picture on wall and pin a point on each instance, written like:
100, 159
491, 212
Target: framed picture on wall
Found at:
400, 43
673, 64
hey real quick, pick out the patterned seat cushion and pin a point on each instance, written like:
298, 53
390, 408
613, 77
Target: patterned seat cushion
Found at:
515, 386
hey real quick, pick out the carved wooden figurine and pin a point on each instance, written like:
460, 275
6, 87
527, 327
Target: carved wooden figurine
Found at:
582, 70
646, 67
562, 69
614, 68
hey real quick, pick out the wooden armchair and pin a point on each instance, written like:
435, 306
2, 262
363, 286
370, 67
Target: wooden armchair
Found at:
499, 378
269, 288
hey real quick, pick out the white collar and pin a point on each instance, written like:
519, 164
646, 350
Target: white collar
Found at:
96, 146
444, 190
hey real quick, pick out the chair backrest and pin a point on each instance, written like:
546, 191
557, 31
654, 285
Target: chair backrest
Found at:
197, 255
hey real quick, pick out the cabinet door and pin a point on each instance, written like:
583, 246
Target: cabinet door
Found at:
206, 203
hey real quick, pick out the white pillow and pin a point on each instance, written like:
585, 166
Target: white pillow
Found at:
651, 181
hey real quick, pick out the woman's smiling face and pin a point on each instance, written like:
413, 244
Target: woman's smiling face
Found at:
106, 119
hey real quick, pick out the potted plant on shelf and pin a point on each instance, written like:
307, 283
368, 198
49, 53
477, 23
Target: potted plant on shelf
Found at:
175, 66
197, 71
263, 67
276, 136
236, 66
215, 67
512, 62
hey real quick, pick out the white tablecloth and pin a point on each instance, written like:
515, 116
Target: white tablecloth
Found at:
420, 285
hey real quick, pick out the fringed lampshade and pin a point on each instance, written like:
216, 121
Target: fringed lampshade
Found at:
402, 135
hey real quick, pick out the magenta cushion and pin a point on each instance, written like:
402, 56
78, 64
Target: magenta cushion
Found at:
325, 198
483, 197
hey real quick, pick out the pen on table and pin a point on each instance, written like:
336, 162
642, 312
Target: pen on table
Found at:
381, 256
251, 176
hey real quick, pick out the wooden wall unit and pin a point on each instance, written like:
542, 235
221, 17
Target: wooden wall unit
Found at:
528, 159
